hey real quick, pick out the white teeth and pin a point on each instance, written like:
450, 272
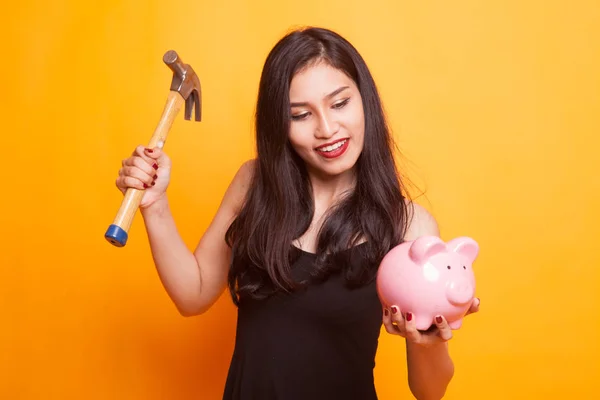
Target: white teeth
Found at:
332, 147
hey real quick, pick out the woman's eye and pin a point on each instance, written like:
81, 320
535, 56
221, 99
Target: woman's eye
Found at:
341, 103
299, 117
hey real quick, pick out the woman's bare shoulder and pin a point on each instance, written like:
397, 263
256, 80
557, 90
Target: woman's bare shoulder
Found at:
238, 188
420, 222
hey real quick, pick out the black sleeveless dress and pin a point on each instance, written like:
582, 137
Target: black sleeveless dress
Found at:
317, 344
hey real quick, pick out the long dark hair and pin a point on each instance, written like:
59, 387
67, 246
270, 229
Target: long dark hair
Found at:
279, 205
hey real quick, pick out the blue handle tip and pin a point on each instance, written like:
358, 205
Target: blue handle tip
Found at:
116, 235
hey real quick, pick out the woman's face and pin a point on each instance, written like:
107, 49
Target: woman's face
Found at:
327, 127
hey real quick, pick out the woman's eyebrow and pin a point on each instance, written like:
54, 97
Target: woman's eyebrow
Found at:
330, 95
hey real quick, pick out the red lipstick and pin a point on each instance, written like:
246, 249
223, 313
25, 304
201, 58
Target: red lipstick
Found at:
333, 149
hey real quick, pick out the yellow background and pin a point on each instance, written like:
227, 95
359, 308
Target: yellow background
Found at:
494, 104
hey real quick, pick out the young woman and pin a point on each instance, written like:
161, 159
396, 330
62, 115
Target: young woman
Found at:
300, 233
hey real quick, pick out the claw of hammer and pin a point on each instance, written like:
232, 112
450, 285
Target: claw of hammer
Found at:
185, 88
193, 102
186, 83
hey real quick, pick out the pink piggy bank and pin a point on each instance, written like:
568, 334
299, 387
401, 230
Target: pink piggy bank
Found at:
429, 277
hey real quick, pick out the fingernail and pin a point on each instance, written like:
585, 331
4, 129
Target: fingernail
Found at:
155, 166
155, 176
153, 183
408, 316
149, 150
145, 186
386, 312
394, 309
438, 319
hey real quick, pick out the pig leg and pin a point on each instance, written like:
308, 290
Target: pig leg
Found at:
455, 324
423, 322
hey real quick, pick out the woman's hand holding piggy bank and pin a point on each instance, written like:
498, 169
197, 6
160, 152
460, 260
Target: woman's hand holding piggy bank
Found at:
431, 282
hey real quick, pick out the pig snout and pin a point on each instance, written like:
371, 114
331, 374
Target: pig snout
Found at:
460, 292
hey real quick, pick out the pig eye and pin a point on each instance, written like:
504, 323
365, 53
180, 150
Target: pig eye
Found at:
464, 267
449, 267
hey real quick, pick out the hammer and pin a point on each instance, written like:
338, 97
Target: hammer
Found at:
185, 87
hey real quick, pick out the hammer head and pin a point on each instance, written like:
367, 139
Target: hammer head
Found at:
186, 83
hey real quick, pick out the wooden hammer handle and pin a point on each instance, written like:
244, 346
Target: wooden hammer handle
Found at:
118, 232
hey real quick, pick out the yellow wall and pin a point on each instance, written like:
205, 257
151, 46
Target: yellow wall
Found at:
495, 104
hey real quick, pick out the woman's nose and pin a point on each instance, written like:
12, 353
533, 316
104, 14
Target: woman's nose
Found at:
328, 126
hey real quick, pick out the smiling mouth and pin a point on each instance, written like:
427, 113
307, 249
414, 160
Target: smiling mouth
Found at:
334, 150
328, 148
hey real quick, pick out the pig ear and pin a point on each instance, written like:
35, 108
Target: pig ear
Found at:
424, 247
464, 246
